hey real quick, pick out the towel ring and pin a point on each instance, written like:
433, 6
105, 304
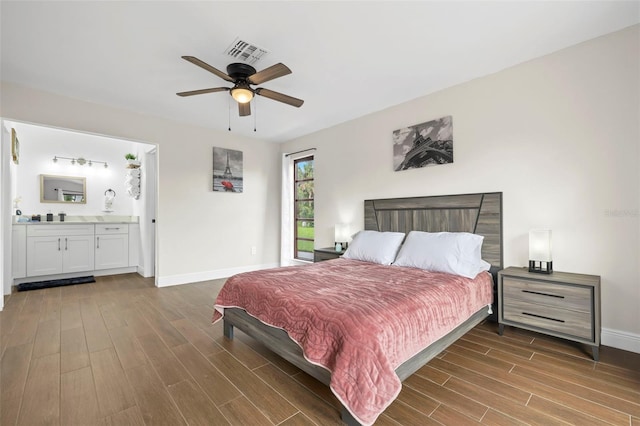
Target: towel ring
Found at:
111, 191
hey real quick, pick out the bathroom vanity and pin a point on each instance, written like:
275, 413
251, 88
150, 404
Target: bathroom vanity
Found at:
49, 250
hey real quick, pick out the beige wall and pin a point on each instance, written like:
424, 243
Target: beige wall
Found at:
559, 136
201, 234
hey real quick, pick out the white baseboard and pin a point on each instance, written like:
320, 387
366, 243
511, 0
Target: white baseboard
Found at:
620, 339
210, 275
294, 262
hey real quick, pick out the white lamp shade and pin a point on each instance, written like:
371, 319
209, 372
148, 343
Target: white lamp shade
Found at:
540, 245
341, 233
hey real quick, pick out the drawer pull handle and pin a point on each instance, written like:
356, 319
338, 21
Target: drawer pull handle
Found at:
543, 294
543, 317
107, 229
98, 241
58, 244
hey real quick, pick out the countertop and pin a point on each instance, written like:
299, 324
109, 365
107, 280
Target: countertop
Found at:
79, 220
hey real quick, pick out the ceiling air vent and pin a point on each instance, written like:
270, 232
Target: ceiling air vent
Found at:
245, 51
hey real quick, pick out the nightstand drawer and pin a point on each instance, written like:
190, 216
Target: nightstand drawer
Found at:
572, 323
566, 297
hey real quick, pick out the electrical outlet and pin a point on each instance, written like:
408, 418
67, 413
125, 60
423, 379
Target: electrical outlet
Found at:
253, 250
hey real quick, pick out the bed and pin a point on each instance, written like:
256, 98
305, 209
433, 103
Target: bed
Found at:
479, 214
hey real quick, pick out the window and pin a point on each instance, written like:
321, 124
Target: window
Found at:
303, 208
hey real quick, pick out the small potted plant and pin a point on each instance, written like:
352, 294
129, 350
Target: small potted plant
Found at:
132, 161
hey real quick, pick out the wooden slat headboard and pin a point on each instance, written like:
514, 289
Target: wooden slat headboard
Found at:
476, 213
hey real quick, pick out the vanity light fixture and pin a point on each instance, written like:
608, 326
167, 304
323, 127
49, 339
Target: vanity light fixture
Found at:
80, 161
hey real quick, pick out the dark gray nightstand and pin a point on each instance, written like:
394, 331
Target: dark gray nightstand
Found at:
559, 304
326, 253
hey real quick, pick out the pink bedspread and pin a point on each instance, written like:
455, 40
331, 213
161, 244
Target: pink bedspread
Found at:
357, 319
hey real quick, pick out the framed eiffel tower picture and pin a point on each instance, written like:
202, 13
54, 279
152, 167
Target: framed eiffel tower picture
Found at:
424, 144
227, 170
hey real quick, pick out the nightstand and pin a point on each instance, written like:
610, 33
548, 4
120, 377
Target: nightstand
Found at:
559, 304
326, 253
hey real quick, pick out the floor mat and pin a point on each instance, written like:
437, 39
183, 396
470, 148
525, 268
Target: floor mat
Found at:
36, 285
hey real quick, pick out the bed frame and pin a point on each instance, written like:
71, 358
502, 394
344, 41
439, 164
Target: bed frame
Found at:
476, 213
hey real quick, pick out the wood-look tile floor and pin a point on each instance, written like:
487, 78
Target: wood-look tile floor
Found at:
122, 352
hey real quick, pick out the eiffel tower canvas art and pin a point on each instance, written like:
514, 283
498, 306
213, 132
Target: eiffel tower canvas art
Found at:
227, 170
424, 144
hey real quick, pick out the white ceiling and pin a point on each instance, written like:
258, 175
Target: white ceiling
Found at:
348, 59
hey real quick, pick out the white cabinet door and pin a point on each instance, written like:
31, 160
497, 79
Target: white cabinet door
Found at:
77, 253
112, 251
56, 255
44, 255
19, 251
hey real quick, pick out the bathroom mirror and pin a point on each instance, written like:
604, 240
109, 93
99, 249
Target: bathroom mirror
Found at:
63, 189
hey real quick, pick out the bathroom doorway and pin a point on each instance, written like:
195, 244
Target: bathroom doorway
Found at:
39, 145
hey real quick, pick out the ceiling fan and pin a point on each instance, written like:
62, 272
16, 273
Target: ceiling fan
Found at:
243, 76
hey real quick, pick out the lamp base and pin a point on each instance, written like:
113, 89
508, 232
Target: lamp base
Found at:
540, 267
343, 246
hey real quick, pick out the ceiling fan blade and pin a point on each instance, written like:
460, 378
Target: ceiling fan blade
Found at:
208, 67
244, 109
274, 71
280, 97
203, 91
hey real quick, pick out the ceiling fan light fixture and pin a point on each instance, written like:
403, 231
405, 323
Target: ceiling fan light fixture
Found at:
242, 94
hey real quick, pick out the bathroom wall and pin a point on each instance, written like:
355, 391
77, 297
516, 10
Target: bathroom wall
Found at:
38, 146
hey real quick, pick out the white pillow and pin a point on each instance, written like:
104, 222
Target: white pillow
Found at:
374, 246
458, 253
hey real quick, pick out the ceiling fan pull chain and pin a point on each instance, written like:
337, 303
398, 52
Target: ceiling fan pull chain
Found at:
229, 104
255, 113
